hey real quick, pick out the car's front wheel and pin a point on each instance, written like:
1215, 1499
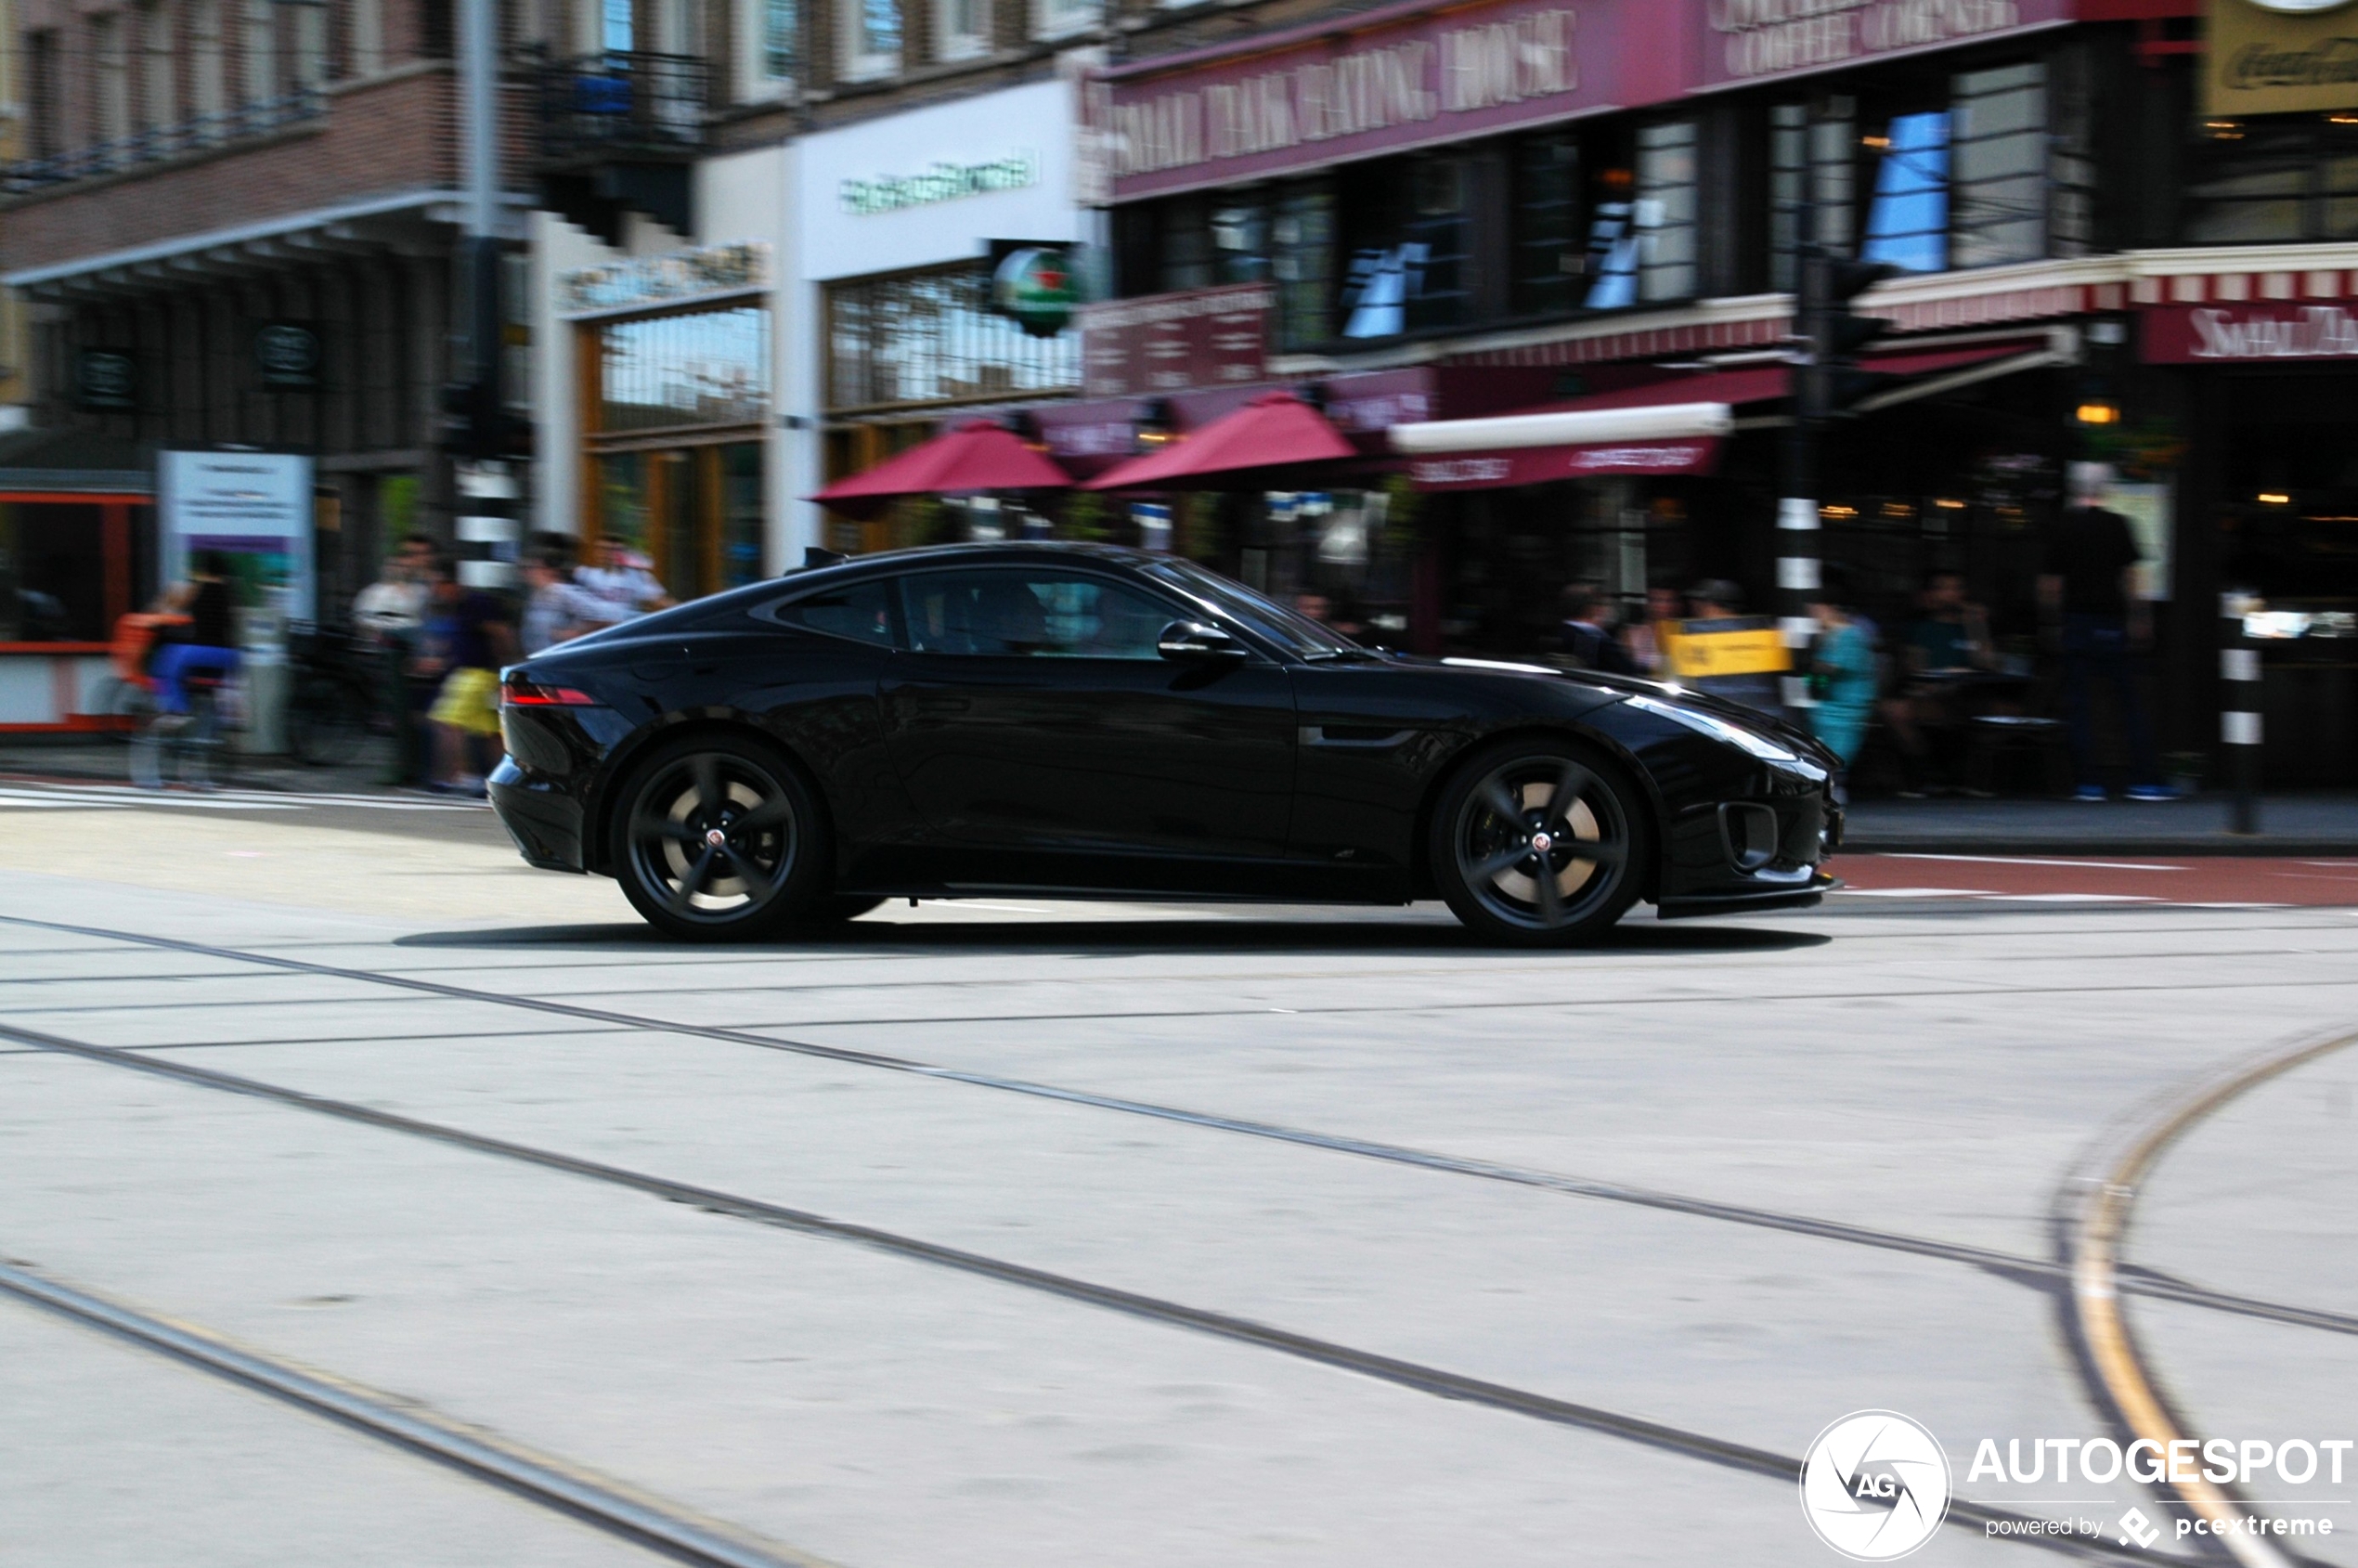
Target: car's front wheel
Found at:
719, 839
1539, 842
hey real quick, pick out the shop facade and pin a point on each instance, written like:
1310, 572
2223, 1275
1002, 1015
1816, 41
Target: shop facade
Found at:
1529, 207
909, 226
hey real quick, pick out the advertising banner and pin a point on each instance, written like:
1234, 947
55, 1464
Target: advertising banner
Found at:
1760, 40
254, 507
2280, 57
1164, 342
1538, 465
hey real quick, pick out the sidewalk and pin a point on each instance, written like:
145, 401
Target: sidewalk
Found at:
2321, 823
107, 761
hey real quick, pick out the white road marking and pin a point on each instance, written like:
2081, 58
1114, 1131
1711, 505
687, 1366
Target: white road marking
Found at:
2017, 859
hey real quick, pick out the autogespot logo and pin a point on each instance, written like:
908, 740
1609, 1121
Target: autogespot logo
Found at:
1874, 1486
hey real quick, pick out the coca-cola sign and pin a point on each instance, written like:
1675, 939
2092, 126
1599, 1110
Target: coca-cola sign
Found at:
2234, 334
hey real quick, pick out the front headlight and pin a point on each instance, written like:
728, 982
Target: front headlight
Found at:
1717, 729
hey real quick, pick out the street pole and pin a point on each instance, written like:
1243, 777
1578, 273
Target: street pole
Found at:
487, 529
1798, 569
2239, 710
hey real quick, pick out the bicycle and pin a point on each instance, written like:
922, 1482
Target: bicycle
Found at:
188, 748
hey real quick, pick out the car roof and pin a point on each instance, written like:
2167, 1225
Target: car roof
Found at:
981, 553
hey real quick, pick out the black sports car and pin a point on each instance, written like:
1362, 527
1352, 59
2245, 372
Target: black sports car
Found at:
1086, 721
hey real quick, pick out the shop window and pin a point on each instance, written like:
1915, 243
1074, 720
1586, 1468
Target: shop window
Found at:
704, 368
1185, 242
1549, 255
871, 38
1611, 265
962, 28
1407, 270
1908, 216
1302, 236
2000, 160
741, 512
52, 573
931, 337
2286, 180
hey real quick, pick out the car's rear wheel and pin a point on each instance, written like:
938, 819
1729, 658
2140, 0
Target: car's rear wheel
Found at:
719, 840
1539, 842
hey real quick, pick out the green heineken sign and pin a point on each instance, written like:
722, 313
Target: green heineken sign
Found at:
1034, 285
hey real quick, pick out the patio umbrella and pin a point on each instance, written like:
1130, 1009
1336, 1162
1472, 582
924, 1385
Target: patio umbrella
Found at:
975, 457
1275, 431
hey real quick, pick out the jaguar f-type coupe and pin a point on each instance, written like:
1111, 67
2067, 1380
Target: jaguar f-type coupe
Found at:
1091, 722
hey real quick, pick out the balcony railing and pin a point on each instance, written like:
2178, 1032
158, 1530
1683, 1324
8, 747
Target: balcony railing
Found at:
598, 106
161, 142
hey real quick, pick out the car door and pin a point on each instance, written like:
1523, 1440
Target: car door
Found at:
1044, 741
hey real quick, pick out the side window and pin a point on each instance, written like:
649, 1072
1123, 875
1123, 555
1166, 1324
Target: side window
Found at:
1031, 613
860, 611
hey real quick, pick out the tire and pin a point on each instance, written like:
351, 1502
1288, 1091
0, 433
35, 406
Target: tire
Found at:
719, 840
1533, 799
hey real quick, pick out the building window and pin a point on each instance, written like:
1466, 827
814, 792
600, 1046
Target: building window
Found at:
871, 38
207, 83
43, 101
157, 105
1183, 243
260, 52
367, 42
52, 572
1809, 166
962, 28
618, 28
310, 44
1907, 218
1061, 19
1405, 223
2001, 170
707, 367
1667, 210
931, 337
2276, 181
781, 39
1548, 253
112, 62
1303, 238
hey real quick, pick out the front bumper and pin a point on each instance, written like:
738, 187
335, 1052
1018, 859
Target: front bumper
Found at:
1750, 900
545, 822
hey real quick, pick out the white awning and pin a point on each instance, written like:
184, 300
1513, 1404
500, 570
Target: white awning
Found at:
1652, 422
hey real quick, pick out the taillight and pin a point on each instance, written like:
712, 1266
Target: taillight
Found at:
519, 693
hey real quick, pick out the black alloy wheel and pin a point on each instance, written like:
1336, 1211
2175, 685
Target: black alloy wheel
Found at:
719, 840
1538, 842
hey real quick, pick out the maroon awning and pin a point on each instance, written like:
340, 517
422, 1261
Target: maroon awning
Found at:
976, 458
1539, 465
1275, 431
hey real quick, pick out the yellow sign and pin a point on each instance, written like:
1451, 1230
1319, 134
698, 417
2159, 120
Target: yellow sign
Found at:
1745, 645
2280, 57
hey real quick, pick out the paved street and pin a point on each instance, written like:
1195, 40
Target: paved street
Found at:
1014, 1233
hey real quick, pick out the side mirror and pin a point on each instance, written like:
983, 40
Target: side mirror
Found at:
1196, 643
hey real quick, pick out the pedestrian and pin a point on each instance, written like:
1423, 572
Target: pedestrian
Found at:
469, 638
1586, 636
1648, 642
2090, 610
1949, 663
620, 589
206, 644
387, 615
1716, 598
557, 610
1842, 677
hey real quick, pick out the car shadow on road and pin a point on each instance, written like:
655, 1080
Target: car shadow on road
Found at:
879, 933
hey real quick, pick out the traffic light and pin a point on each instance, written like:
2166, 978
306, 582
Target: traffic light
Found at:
1832, 383
476, 422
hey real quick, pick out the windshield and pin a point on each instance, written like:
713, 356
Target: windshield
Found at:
1297, 634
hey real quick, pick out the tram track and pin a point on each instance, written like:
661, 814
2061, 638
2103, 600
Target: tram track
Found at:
1415, 1376
2041, 1274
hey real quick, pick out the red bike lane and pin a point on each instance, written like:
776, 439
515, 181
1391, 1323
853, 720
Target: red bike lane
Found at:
2101, 879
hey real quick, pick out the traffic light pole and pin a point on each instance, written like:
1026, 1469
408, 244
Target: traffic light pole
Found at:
487, 526
1799, 570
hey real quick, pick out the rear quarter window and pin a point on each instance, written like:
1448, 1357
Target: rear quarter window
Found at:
860, 611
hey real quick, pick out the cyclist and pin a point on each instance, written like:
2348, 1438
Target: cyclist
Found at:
206, 645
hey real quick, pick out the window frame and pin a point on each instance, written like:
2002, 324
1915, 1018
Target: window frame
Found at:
774, 609
950, 44
855, 61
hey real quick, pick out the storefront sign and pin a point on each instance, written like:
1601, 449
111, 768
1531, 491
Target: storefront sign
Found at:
2229, 334
942, 182
105, 380
681, 274
286, 356
1431, 78
1540, 465
1210, 337
1753, 40
2279, 57
1035, 286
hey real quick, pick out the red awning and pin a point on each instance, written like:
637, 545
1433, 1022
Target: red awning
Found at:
976, 458
1670, 425
1275, 429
